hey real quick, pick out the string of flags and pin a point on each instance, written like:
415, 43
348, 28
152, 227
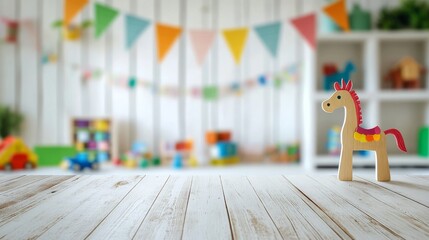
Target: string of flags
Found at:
202, 40
209, 92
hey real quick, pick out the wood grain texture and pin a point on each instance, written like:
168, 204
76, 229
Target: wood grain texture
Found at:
293, 217
413, 188
125, 219
15, 195
73, 211
166, 217
247, 214
215, 207
206, 216
351, 219
403, 217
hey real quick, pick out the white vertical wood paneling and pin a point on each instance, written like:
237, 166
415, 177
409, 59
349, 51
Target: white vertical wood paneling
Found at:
8, 58
29, 62
50, 109
145, 53
119, 60
65, 95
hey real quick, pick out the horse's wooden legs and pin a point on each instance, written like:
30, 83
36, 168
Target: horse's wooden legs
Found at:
382, 165
345, 170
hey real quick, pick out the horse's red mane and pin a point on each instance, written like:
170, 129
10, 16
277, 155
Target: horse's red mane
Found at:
348, 87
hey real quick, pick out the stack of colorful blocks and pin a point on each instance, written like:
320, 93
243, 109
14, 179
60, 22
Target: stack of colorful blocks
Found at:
222, 150
93, 136
139, 156
184, 151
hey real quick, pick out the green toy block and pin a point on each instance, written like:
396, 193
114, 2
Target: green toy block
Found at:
53, 155
423, 145
144, 163
156, 161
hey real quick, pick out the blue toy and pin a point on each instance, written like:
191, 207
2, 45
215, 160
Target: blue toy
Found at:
336, 77
224, 150
81, 161
178, 161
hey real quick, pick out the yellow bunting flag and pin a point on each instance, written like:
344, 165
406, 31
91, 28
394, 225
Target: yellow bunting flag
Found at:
236, 40
165, 38
72, 8
338, 12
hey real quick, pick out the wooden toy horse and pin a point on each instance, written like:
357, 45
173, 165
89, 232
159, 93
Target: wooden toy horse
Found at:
354, 137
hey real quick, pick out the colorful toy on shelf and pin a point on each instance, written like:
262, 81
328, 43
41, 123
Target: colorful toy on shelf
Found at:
284, 153
222, 150
423, 145
406, 74
93, 136
138, 156
177, 161
184, 155
82, 161
53, 155
354, 137
332, 75
14, 154
72, 32
333, 144
360, 20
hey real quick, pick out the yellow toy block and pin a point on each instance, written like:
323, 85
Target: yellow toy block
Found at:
224, 161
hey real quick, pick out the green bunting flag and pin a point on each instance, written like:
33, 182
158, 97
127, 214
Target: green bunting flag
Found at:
210, 93
270, 35
104, 16
134, 26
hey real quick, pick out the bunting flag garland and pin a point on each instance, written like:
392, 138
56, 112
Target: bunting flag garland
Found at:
306, 26
236, 40
134, 26
270, 35
338, 12
165, 37
207, 93
104, 16
72, 8
202, 41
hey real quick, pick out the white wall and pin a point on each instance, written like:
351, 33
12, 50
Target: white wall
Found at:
50, 95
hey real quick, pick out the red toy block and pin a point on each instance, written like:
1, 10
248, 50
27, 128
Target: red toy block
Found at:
329, 69
224, 136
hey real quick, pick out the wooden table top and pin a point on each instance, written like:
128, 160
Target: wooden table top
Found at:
214, 207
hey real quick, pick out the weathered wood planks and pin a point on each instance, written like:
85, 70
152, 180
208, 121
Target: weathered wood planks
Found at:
213, 207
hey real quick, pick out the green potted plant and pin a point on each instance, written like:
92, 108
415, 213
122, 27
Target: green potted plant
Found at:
410, 14
10, 121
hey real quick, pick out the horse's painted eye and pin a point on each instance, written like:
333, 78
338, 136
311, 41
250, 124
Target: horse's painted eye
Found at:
338, 97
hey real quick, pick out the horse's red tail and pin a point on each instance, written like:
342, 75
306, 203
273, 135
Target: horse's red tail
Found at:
399, 139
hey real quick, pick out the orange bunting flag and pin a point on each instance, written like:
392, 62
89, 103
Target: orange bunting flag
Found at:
236, 40
165, 37
338, 12
72, 8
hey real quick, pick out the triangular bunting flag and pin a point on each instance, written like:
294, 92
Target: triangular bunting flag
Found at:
134, 26
236, 40
306, 26
202, 40
270, 35
338, 12
72, 8
104, 16
165, 38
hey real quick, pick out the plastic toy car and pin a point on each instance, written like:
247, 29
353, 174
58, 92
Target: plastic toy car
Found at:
82, 161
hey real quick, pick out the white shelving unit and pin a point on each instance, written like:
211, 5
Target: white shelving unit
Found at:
373, 53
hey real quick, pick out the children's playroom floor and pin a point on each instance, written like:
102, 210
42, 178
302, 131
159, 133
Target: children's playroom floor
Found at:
213, 207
